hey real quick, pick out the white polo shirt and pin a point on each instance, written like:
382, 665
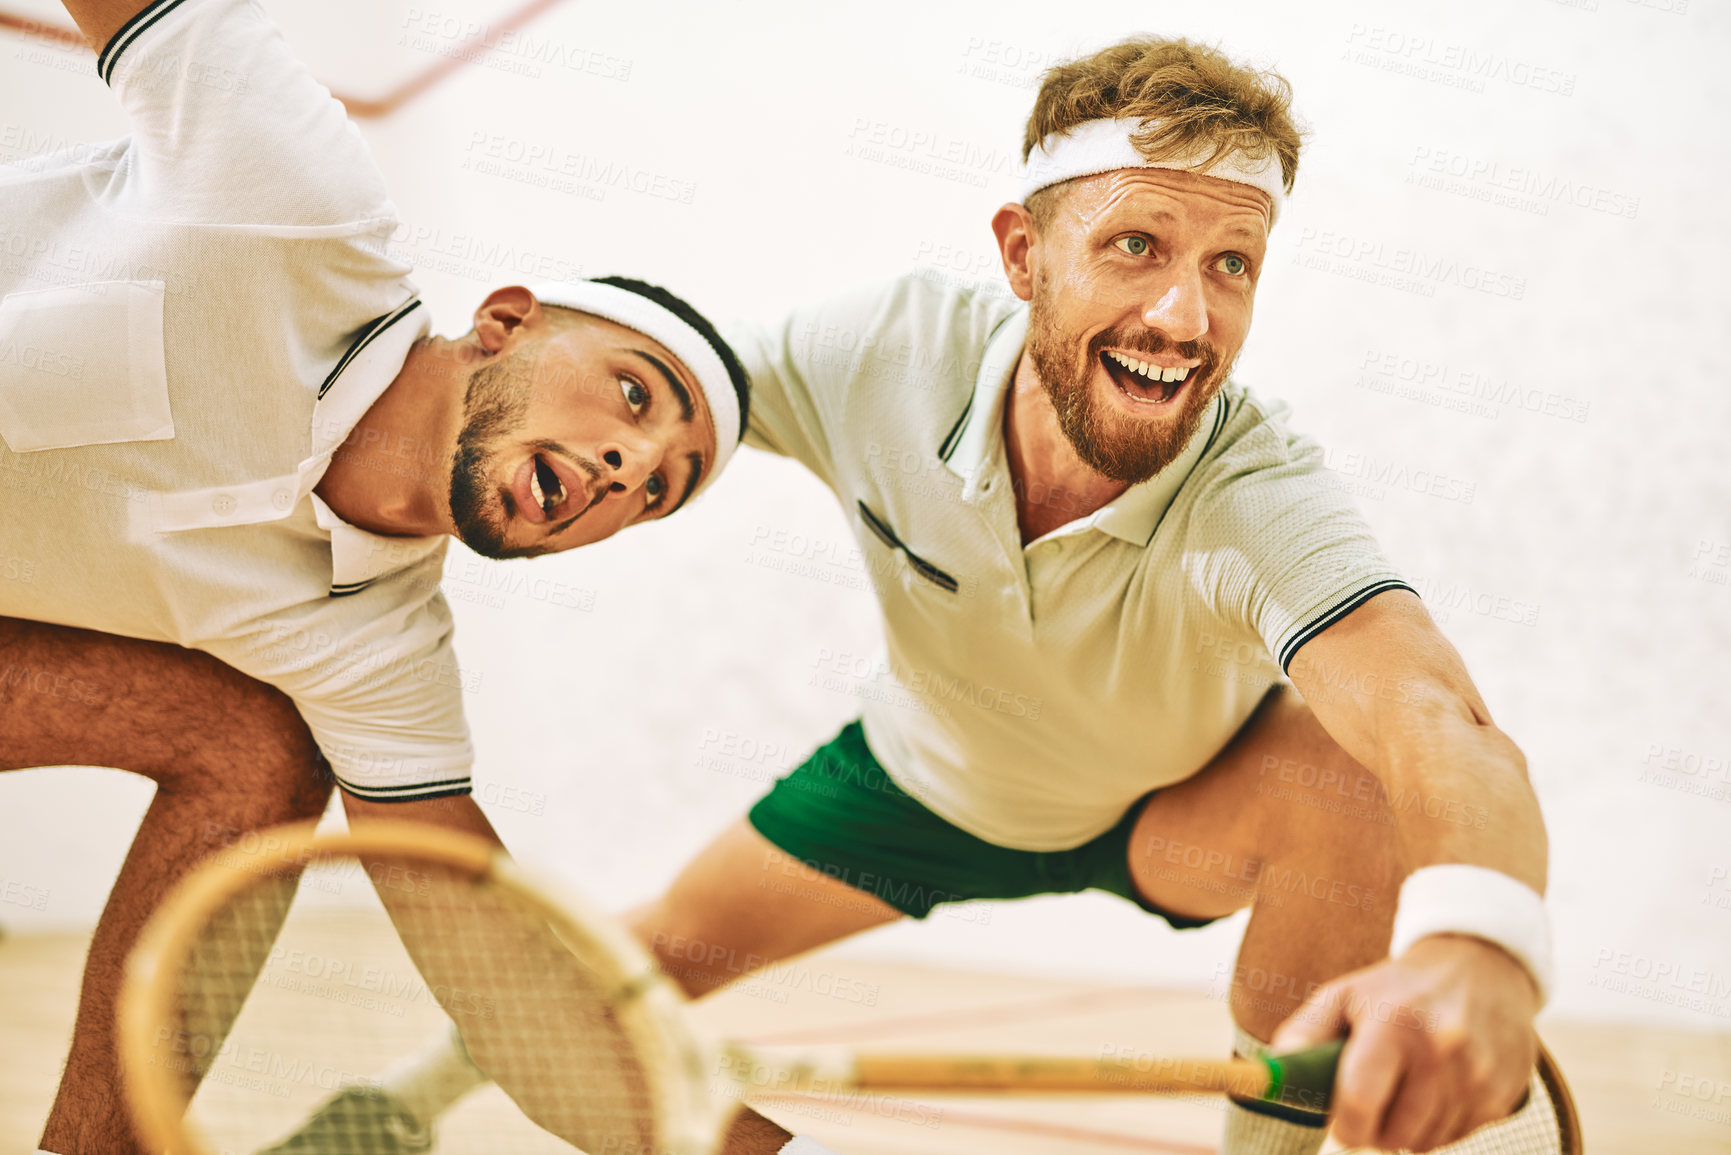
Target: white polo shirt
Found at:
193, 319
1031, 694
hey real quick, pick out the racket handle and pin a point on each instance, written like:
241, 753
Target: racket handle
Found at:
1304, 1078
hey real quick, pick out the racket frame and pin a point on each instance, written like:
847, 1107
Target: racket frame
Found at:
691, 1114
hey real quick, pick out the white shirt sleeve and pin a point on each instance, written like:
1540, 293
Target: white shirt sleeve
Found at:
783, 416
376, 679
229, 128
805, 369
1274, 541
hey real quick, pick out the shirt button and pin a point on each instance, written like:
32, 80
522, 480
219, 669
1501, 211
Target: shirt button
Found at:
283, 498
1055, 546
986, 486
222, 504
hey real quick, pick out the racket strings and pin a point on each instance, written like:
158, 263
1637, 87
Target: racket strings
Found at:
279, 1037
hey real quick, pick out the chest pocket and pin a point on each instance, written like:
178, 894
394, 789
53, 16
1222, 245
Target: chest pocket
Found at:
881, 530
83, 365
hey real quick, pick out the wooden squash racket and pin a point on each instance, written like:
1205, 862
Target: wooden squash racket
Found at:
292, 964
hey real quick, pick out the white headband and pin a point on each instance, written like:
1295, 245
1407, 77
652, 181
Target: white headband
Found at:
1097, 146
635, 311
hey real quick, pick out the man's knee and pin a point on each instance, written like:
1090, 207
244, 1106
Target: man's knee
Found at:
177, 716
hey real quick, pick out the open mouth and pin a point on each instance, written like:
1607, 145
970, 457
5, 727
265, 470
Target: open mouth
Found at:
1142, 381
544, 486
545, 489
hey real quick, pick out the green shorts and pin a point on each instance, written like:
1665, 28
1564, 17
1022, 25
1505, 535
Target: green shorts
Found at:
842, 815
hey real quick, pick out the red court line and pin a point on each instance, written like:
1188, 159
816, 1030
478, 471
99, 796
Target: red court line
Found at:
30, 26
464, 53
1021, 1012
985, 1122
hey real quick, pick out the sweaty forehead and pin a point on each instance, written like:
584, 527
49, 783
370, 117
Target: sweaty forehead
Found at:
1122, 195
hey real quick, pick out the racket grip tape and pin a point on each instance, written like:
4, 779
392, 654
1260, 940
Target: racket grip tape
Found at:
1304, 1079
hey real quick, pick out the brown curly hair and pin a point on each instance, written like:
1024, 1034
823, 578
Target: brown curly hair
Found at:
1193, 98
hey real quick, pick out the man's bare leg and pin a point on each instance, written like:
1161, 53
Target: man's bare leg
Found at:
227, 754
1285, 821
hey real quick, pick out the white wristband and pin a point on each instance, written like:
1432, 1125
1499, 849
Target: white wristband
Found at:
1477, 901
800, 1145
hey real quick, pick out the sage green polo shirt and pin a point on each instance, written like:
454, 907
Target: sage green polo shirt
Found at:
1030, 694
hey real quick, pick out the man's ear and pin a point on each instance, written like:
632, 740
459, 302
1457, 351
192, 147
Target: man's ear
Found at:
503, 313
1014, 227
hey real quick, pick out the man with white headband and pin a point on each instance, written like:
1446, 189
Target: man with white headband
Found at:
1098, 559
237, 456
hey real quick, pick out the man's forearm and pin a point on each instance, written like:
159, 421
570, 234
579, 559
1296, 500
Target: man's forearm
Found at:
1394, 693
459, 812
1459, 791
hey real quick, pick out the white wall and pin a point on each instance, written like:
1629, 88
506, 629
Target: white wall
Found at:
601, 721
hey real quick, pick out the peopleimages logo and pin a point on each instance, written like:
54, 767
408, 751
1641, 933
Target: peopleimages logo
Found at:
1403, 267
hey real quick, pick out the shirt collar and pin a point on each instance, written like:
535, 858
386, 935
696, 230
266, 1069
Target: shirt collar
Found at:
364, 372
359, 556
977, 440
371, 362
976, 443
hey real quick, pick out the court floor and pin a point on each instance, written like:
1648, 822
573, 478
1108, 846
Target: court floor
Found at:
1640, 1090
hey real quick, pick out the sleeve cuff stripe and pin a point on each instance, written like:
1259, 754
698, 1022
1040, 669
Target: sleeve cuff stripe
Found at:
129, 32
1328, 618
414, 790
451, 793
347, 588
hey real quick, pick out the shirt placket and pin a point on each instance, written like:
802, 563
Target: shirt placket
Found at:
1006, 582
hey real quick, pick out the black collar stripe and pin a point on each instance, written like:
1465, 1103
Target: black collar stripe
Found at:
372, 329
1340, 610
954, 435
129, 32
950, 442
1219, 424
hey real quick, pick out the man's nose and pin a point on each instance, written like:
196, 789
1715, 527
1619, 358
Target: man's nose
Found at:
1178, 308
632, 461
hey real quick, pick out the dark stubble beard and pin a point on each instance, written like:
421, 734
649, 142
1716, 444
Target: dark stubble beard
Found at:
495, 405
1108, 441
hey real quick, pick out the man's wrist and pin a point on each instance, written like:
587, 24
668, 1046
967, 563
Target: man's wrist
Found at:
1475, 901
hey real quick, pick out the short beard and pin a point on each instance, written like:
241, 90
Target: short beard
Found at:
495, 406
1110, 443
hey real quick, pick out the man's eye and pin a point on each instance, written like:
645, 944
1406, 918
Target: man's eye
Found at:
1136, 246
636, 396
656, 488
1233, 265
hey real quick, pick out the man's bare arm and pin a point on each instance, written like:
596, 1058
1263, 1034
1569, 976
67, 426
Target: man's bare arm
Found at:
99, 20
1395, 694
